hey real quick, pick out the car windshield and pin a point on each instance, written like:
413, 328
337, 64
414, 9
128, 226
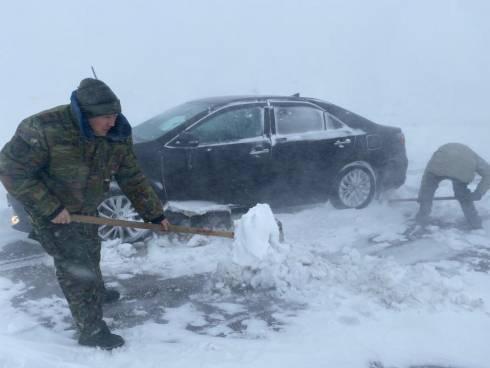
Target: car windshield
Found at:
170, 119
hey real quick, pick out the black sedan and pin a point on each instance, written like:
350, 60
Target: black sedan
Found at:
274, 149
282, 150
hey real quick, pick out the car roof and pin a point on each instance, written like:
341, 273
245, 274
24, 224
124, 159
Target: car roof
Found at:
225, 100
348, 117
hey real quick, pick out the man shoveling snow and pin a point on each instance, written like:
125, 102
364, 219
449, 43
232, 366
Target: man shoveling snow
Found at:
59, 163
458, 163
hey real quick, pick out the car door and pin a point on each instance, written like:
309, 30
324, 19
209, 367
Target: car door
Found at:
309, 147
230, 160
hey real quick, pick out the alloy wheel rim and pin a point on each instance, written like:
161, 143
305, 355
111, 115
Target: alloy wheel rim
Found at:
118, 207
355, 188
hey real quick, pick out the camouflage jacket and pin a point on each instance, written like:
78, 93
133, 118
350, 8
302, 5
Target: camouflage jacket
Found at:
54, 161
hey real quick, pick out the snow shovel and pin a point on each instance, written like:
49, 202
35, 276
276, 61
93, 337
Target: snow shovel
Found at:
155, 227
416, 199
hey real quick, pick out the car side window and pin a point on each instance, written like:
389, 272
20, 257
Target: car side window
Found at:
298, 119
332, 122
231, 125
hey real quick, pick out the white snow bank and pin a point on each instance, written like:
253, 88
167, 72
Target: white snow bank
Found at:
193, 208
256, 237
331, 271
257, 258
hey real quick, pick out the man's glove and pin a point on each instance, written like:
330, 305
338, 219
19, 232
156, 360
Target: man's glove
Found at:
475, 196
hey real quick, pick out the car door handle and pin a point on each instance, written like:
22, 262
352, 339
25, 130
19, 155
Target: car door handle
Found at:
341, 143
257, 151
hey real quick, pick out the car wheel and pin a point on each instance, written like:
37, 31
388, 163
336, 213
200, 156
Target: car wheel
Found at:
119, 207
354, 187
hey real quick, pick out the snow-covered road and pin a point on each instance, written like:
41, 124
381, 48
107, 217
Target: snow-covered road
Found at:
339, 299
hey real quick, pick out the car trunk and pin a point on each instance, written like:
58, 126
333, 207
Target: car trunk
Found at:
390, 138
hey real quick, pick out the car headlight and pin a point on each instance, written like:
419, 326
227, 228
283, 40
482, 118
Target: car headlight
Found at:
15, 220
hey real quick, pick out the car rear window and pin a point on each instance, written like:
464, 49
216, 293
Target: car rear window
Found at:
298, 119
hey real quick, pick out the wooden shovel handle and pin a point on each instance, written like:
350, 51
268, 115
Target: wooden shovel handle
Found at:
416, 199
154, 227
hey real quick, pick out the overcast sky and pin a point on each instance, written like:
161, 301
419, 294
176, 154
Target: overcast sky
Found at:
390, 60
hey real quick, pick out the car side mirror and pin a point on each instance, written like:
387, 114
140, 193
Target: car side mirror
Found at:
187, 139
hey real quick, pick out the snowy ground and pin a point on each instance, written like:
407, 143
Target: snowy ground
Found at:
335, 295
342, 298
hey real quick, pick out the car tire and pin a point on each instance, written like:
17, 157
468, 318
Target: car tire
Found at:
354, 187
119, 207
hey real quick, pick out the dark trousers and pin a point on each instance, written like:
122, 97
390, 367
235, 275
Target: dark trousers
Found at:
75, 249
428, 187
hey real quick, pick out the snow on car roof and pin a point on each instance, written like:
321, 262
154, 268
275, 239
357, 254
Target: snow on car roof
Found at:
223, 100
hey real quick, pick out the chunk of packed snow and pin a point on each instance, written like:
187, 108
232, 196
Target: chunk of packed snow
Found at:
256, 236
258, 259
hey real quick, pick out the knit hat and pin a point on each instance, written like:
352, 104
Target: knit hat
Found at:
96, 98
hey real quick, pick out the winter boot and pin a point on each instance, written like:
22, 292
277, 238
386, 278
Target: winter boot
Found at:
111, 296
101, 338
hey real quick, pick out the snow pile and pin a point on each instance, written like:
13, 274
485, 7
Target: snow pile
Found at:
193, 208
257, 259
256, 237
